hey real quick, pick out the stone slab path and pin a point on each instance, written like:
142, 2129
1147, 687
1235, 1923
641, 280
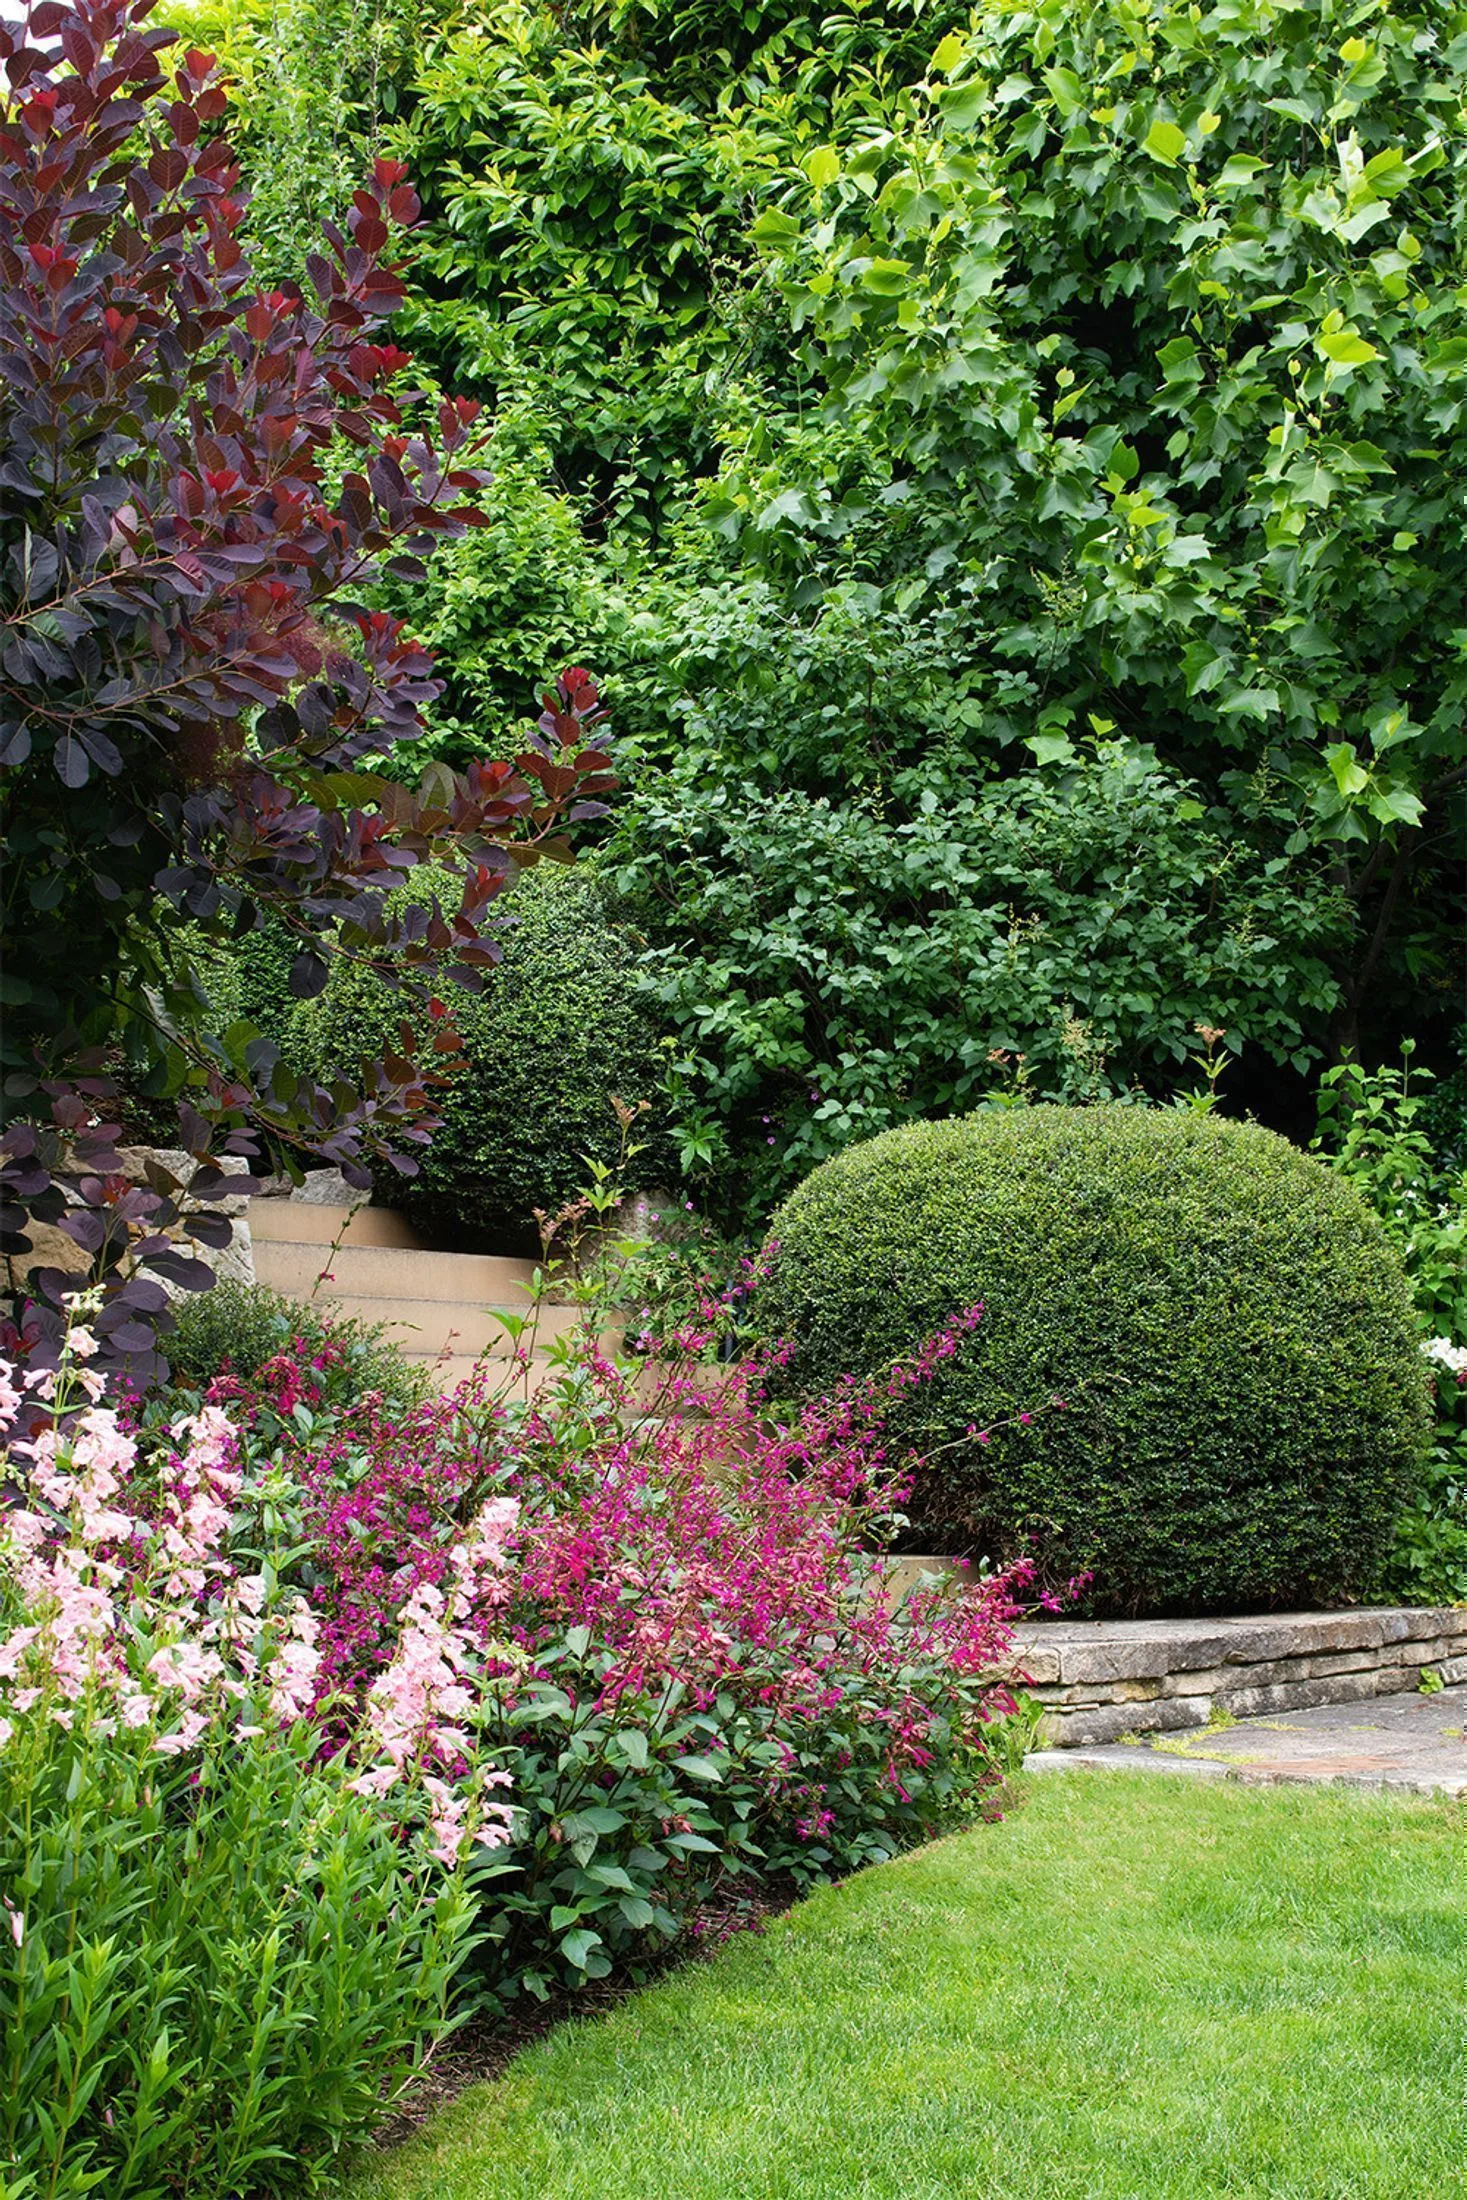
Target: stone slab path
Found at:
1417, 1743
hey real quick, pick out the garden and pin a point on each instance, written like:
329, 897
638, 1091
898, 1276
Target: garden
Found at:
765, 708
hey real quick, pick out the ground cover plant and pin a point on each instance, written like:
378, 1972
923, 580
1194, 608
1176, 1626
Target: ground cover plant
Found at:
1133, 1987
1225, 1319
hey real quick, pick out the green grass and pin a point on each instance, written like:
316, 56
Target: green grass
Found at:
1134, 1986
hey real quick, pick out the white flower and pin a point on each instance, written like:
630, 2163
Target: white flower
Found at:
1453, 1357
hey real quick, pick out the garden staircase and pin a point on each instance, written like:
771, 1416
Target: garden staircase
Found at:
367, 1262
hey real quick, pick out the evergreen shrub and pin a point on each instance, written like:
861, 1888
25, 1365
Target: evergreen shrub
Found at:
1229, 1329
556, 1032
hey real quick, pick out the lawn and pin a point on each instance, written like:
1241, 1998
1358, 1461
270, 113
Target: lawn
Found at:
1134, 1986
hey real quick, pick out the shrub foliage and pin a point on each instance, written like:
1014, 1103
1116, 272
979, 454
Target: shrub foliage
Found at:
555, 1033
1225, 1321
199, 479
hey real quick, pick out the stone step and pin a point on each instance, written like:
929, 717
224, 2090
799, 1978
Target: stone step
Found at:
646, 1378
300, 1222
426, 1326
451, 1369
1100, 1679
393, 1272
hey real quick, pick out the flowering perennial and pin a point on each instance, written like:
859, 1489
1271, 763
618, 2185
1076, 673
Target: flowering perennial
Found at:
126, 1607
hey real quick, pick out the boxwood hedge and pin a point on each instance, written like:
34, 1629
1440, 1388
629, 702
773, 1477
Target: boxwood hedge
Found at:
1224, 1319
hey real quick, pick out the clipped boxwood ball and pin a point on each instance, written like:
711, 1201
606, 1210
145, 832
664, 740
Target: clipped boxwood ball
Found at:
1230, 1331
554, 1034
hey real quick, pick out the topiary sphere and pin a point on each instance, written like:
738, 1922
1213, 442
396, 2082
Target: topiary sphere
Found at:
1229, 1328
556, 1031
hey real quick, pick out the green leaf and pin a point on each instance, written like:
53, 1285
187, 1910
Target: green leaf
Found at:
1344, 348
1396, 806
963, 105
1066, 90
1051, 748
578, 1946
1165, 142
698, 1768
1179, 362
772, 227
887, 278
1348, 775
632, 1743
822, 166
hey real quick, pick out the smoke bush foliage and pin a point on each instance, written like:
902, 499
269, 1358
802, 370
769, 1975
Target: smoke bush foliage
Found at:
199, 477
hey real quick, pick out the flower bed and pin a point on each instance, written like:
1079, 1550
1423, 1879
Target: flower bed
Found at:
496, 1699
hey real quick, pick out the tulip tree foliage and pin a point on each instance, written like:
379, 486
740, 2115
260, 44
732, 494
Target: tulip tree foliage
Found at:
1159, 311
198, 476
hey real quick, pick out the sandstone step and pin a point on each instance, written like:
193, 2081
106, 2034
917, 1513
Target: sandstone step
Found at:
646, 1378
1100, 1679
428, 1325
393, 1272
451, 1369
299, 1222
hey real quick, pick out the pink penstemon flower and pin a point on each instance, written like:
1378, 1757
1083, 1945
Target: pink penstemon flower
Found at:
138, 1618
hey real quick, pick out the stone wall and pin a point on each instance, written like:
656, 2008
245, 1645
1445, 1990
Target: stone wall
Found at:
1100, 1679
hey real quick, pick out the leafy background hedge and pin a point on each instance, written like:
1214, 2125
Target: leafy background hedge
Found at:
1230, 1330
556, 1032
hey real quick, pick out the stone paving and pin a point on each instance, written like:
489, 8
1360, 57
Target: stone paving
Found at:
1416, 1742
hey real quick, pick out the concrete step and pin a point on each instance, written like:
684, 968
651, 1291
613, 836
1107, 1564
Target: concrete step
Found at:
299, 1222
427, 1325
394, 1272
